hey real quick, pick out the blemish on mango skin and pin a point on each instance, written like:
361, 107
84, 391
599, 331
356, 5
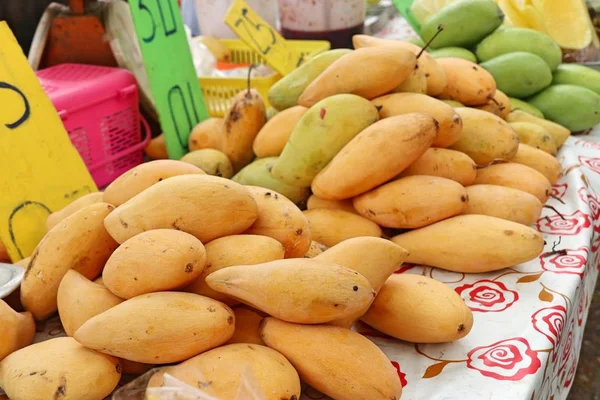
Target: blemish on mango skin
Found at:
322, 113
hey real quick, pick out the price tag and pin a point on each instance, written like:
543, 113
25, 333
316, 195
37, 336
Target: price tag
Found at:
262, 37
403, 7
175, 88
41, 171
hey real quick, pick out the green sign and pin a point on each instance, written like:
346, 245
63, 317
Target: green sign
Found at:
178, 98
403, 7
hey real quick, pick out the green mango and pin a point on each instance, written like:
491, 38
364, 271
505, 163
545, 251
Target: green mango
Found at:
258, 173
465, 23
574, 107
271, 112
513, 39
519, 74
320, 134
454, 103
578, 75
416, 41
285, 92
456, 52
516, 104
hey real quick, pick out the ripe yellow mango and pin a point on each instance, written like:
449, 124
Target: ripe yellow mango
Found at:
468, 83
320, 354
445, 163
449, 122
316, 248
558, 132
18, 330
211, 161
208, 134
503, 202
331, 227
156, 149
437, 314
472, 244
539, 160
386, 68
485, 137
517, 176
82, 202
247, 325
416, 82
376, 155
273, 136
301, 290
412, 202
317, 202
499, 104
535, 136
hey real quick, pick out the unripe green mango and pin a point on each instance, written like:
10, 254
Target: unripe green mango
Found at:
320, 134
578, 75
513, 39
258, 173
516, 104
285, 92
455, 52
417, 41
271, 112
465, 23
574, 107
519, 74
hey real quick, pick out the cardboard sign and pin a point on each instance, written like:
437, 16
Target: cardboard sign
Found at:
41, 171
262, 37
175, 88
403, 7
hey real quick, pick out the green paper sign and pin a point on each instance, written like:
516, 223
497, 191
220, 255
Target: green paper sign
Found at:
403, 7
177, 94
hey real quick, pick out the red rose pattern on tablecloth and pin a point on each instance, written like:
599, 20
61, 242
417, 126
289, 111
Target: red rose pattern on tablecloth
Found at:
566, 349
587, 144
571, 224
559, 190
506, 360
487, 296
571, 373
549, 322
573, 262
581, 306
592, 163
401, 375
591, 200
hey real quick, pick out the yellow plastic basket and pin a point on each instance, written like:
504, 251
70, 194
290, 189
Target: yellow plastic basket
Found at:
219, 92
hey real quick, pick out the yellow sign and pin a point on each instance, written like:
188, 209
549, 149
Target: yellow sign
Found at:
40, 170
262, 37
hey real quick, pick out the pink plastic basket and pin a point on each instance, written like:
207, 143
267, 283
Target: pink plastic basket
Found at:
99, 108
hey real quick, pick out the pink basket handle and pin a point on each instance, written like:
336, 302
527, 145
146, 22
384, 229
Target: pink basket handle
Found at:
137, 147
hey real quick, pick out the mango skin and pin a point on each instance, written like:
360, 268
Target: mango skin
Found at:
516, 104
456, 52
574, 107
519, 74
558, 132
465, 23
514, 39
467, 82
285, 92
578, 75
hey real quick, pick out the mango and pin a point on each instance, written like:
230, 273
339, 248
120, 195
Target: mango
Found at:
156, 149
271, 112
208, 134
437, 314
376, 155
519, 74
444, 163
416, 82
18, 329
574, 107
331, 227
316, 248
247, 325
523, 106
503, 202
285, 92
453, 103
320, 354
468, 83
539, 160
454, 52
578, 75
317, 202
73, 207
320, 134
517, 176
485, 136
417, 41
211, 161
258, 173
273, 136
472, 244
386, 68
290, 290
535, 136
515, 39
499, 104
558, 132
465, 23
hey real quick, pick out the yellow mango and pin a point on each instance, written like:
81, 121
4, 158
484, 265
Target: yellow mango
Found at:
412, 202
539, 160
449, 122
140, 178
301, 290
386, 68
82, 202
317, 202
468, 83
79, 242
331, 227
211, 161
535, 136
205, 206
503, 202
247, 326
376, 155
517, 176
156, 149
445, 163
208, 134
558, 132
273, 136
316, 248
18, 330
499, 104
437, 314
320, 354
416, 82
485, 137
472, 244
234, 250
144, 328
80, 299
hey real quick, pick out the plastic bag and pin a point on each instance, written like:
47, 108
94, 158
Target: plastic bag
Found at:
204, 61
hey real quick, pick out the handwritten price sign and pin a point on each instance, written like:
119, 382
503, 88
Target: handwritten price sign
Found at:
262, 37
41, 170
178, 98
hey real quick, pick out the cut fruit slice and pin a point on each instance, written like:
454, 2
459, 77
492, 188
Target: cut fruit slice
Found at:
423, 9
567, 22
513, 14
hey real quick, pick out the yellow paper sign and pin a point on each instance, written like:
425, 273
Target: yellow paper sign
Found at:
40, 170
262, 37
